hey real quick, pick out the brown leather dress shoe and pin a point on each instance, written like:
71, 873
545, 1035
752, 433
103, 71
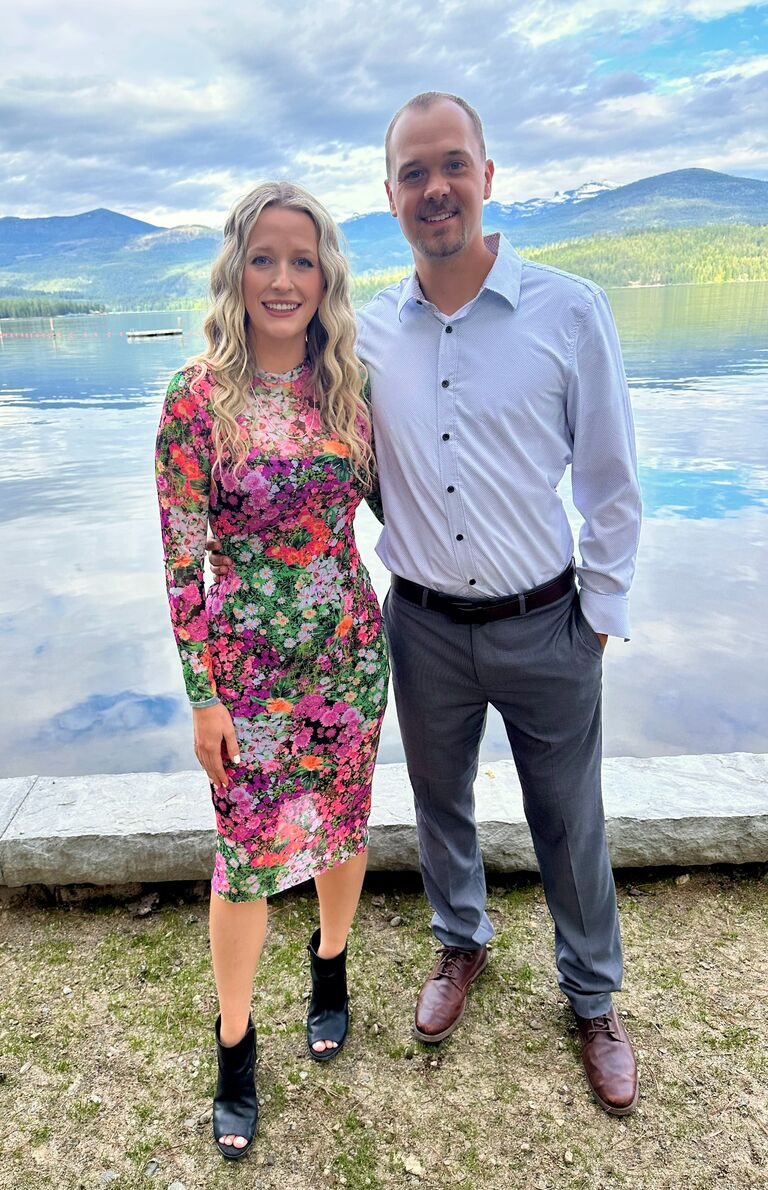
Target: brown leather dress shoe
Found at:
609, 1061
443, 997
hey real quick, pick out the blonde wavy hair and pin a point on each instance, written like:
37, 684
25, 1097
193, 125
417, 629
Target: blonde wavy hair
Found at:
338, 377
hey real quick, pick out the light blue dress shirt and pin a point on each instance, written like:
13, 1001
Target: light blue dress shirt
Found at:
476, 416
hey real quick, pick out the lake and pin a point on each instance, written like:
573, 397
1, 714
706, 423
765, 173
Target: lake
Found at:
92, 681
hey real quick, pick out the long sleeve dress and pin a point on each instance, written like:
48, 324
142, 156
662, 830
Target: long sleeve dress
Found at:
291, 641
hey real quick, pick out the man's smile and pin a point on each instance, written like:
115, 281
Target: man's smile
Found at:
439, 217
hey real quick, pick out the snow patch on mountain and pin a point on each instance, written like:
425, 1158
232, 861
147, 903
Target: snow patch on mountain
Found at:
534, 206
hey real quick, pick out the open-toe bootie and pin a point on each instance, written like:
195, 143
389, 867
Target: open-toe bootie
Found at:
235, 1106
328, 1016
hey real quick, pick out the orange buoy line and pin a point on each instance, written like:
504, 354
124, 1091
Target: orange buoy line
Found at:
59, 334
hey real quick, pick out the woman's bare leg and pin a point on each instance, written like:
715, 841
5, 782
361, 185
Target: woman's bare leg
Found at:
237, 931
338, 892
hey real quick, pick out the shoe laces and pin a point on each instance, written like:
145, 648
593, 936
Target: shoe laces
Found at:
448, 963
602, 1024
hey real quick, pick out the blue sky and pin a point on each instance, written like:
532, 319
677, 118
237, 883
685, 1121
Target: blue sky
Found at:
169, 110
674, 47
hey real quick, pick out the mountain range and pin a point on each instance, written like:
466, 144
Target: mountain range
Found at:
682, 198
102, 255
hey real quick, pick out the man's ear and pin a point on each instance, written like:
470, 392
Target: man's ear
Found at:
489, 168
390, 196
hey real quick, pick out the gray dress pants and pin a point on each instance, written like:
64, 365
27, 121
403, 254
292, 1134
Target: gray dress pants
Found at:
543, 673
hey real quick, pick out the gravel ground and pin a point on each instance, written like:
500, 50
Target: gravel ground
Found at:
107, 1063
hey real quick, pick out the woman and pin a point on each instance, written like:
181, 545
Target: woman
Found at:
266, 435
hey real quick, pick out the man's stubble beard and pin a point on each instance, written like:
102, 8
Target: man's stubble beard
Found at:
440, 251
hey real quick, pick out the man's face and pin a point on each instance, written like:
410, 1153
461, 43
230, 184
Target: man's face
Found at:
438, 179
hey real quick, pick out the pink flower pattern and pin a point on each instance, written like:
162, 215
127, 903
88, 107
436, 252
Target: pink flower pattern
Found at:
291, 641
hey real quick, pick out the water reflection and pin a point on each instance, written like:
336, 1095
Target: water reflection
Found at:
91, 673
686, 333
106, 714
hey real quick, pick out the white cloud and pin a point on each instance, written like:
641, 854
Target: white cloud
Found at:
176, 112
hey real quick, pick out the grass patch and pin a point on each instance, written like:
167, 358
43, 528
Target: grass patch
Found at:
494, 1108
358, 1164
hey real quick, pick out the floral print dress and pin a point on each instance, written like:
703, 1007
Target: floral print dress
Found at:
291, 642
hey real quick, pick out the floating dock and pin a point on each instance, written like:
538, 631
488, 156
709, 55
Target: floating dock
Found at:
153, 334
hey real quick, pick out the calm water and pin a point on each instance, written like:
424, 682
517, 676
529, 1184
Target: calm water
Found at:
92, 682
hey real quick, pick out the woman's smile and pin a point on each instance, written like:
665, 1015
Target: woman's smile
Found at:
281, 309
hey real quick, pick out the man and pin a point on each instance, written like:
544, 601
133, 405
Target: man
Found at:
489, 375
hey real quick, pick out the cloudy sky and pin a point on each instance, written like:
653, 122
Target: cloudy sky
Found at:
169, 110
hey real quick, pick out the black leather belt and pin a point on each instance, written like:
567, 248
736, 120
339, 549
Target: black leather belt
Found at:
463, 611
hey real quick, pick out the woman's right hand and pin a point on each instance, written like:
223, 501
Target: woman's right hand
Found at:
212, 725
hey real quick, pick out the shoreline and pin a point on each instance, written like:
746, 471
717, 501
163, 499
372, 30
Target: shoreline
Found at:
662, 811
362, 276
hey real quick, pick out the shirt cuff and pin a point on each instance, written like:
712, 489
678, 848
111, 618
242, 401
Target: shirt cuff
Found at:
209, 702
606, 613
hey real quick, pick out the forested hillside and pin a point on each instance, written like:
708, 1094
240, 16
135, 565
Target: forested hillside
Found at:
682, 255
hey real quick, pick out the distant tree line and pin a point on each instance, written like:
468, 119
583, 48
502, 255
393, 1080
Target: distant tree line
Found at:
669, 256
38, 307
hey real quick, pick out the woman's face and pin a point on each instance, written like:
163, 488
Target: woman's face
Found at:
282, 281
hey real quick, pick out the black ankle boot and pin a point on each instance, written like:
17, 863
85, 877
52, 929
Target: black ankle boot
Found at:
328, 1016
235, 1106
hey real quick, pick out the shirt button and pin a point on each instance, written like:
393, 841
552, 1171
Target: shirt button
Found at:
446, 437
450, 488
448, 330
472, 582
459, 536
445, 383
419, 302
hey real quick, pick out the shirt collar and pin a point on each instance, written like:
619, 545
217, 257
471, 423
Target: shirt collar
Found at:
503, 278
411, 292
506, 271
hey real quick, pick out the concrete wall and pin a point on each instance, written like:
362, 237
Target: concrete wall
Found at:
126, 827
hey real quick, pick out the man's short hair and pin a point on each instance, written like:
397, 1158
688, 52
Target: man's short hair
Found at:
425, 100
